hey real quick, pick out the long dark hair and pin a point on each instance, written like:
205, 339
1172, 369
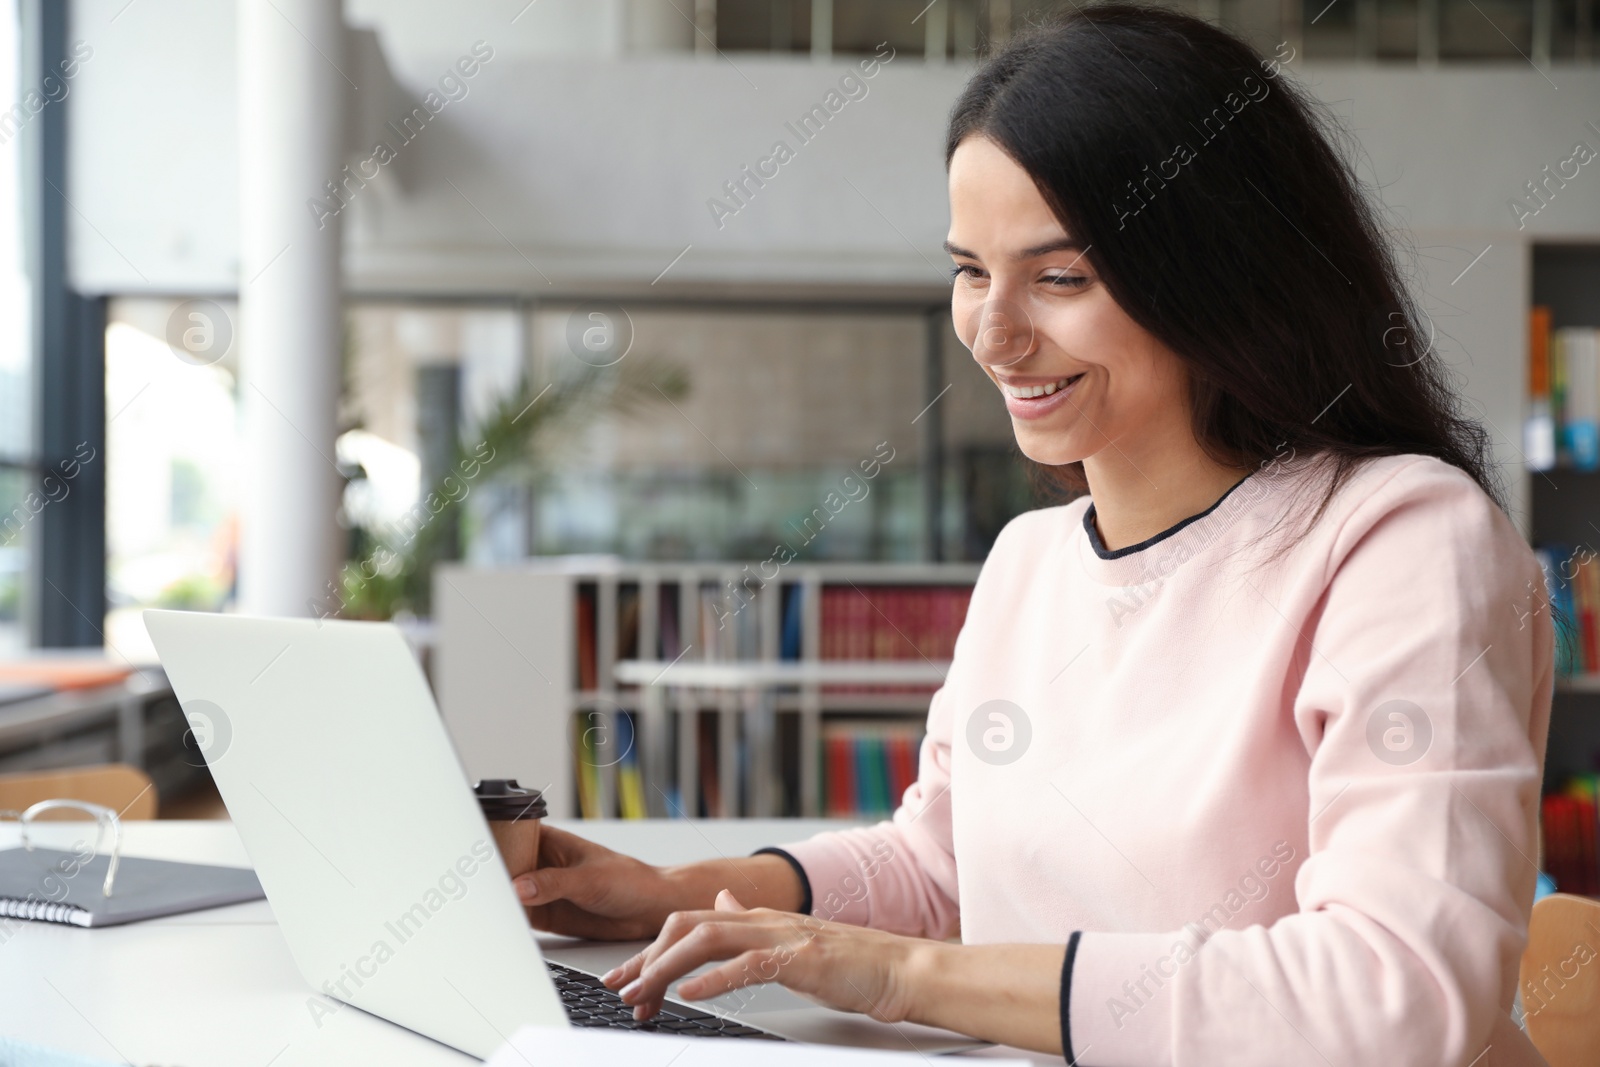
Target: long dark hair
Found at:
1222, 218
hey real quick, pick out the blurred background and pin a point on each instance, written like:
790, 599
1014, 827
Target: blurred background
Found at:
511, 322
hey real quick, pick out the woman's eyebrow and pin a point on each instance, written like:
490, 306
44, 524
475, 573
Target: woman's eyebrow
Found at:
1062, 244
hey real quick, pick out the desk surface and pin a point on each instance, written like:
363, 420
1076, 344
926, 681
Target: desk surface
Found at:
219, 989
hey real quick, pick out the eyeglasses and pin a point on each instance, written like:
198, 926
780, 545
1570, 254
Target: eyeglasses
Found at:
104, 819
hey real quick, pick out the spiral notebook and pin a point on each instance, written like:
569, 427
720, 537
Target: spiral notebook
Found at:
49, 885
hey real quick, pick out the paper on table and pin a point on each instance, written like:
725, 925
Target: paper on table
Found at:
534, 1046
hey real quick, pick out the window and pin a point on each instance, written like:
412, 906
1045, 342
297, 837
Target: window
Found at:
856, 27
18, 459
171, 462
1461, 30
1515, 31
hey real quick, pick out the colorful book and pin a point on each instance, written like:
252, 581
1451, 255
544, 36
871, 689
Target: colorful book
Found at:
1588, 599
588, 654
789, 639
671, 644
587, 772
1562, 604
1571, 841
1539, 432
872, 622
1580, 358
867, 765
628, 622
1558, 392
630, 783
710, 782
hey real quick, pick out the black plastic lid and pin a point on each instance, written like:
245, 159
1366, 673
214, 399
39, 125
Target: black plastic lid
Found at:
503, 800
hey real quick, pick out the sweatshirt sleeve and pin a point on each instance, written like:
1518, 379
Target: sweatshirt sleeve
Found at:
1424, 701
899, 875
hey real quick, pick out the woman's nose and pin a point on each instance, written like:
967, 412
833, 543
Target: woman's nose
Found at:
1002, 332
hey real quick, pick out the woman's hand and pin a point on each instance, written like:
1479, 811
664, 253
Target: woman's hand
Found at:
582, 889
845, 967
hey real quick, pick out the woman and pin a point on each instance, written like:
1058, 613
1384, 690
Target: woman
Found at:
1239, 756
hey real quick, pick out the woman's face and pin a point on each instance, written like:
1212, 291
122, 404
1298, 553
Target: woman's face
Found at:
1076, 372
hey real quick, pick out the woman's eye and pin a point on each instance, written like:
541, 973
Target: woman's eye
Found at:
1065, 281
965, 269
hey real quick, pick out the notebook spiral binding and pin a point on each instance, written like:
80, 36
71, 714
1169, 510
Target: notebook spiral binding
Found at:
44, 911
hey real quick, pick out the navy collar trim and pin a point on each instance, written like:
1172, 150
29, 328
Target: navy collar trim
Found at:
1104, 553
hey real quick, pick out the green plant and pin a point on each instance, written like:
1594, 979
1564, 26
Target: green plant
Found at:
192, 592
10, 597
524, 433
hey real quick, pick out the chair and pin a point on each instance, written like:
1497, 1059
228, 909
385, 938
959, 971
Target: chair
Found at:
1560, 979
126, 790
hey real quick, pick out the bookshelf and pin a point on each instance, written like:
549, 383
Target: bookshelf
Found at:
1560, 439
695, 689
1563, 456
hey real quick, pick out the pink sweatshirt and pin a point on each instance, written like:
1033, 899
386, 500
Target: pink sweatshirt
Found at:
1281, 812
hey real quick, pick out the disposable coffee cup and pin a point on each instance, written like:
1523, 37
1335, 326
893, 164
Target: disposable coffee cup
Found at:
513, 813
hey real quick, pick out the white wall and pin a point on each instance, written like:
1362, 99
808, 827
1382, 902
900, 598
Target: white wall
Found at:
153, 148
595, 170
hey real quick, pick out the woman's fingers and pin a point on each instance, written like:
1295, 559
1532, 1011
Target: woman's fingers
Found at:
750, 968
624, 972
550, 884
716, 939
678, 925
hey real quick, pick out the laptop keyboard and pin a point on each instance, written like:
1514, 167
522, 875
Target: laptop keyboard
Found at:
590, 1003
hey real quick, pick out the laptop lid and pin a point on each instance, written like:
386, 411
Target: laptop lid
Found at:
333, 760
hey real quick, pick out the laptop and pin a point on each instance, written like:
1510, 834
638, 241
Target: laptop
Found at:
326, 745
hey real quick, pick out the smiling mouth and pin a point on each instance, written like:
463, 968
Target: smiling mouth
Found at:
1027, 392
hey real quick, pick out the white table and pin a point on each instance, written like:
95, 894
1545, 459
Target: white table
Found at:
218, 988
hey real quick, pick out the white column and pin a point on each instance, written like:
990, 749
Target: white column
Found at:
655, 26
821, 30
705, 28
936, 33
292, 97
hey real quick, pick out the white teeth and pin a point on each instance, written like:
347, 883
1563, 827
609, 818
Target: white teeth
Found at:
1024, 392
